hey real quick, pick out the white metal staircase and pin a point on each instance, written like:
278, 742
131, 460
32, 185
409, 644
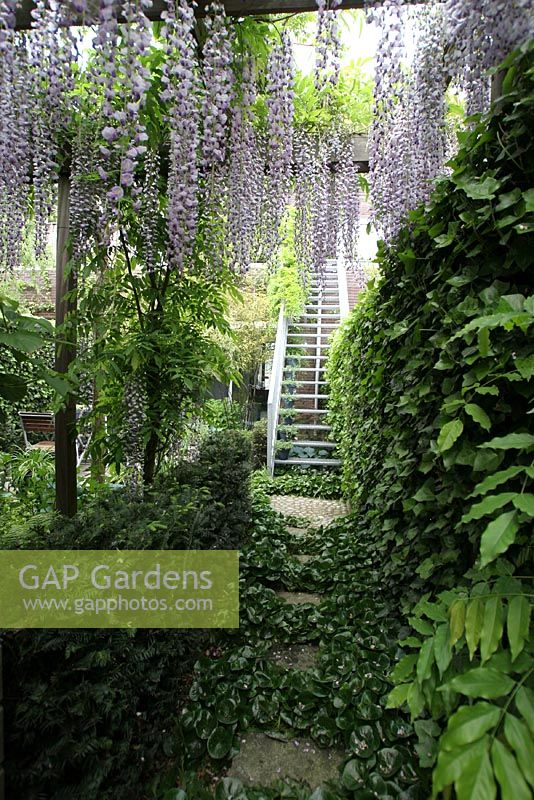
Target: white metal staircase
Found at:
298, 433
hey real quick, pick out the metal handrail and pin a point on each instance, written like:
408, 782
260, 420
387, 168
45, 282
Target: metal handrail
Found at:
275, 386
342, 288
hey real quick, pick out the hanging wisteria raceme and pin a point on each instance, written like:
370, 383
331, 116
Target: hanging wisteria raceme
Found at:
349, 201
87, 196
427, 100
479, 35
389, 20
15, 156
304, 155
218, 86
245, 172
181, 93
319, 205
125, 81
327, 44
280, 94
150, 207
134, 400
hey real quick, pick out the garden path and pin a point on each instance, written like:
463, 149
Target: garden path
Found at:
263, 759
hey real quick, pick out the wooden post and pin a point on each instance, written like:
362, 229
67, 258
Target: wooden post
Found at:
65, 433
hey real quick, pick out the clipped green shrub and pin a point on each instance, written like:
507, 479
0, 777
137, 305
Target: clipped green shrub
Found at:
95, 713
432, 389
223, 468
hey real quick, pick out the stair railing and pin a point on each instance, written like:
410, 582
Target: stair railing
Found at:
342, 288
275, 387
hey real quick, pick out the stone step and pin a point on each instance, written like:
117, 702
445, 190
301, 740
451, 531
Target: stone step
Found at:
300, 598
263, 760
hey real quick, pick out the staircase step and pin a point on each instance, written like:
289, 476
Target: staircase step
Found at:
305, 369
313, 411
307, 358
314, 426
317, 316
307, 383
314, 443
317, 462
299, 396
313, 325
307, 335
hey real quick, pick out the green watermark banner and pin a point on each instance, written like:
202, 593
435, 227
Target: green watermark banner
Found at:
119, 589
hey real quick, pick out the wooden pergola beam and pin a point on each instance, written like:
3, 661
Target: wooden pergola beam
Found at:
234, 8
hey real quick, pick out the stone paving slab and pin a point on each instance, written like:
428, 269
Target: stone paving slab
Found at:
295, 656
300, 598
317, 511
262, 761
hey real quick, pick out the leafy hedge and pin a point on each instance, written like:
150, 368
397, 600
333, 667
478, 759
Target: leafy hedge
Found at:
432, 389
95, 713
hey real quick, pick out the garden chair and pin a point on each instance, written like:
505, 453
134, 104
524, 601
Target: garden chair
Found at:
42, 424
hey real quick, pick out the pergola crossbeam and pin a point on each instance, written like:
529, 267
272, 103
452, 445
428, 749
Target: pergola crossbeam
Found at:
234, 8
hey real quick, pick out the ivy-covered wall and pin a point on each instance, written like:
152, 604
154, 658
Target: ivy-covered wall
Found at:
432, 386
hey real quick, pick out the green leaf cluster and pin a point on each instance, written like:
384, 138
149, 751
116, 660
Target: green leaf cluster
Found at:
432, 391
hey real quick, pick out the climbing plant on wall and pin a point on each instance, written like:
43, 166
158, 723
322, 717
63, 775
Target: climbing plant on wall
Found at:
432, 402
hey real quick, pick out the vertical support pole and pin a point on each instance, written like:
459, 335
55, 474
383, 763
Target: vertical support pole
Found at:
65, 424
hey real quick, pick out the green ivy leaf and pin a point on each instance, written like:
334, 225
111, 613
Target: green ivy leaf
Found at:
482, 682
479, 415
449, 434
468, 724
525, 367
12, 387
480, 188
498, 536
512, 783
518, 624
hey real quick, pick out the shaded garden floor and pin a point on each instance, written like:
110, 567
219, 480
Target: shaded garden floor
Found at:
293, 705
